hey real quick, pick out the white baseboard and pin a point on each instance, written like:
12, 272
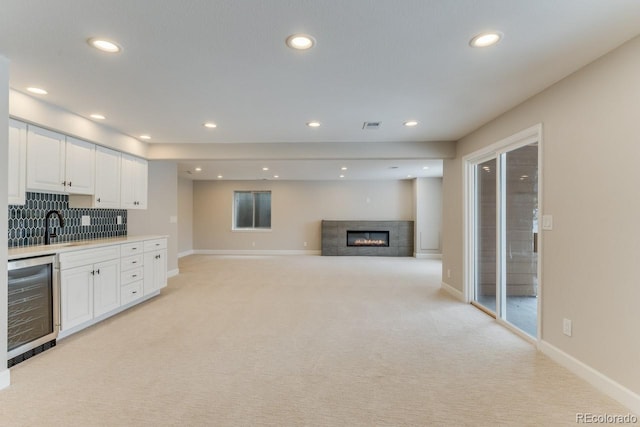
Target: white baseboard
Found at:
5, 379
453, 291
172, 273
186, 253
600, 381
420, 255
253, 252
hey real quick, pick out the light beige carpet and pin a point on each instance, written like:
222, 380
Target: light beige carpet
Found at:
298, 341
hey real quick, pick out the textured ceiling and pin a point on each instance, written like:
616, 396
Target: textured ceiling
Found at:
187, 62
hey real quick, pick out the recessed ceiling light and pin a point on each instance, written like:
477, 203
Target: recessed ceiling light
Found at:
198, 169
408, 176
276, 176
313, 124
425, 167
37, 90
300, 41
104, 45
411, 123
341, 176
219, 176
145, 137
265, 168
486, 39
97, 116
210, 125
344, 168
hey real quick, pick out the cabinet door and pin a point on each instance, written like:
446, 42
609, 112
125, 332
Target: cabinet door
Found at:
106, 287
45, 160
107, 194
142, 180
133, 190
80, 166
127, 180
17, 167
155, 271
76, 296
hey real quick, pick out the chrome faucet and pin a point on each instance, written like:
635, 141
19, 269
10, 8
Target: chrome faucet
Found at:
47, 236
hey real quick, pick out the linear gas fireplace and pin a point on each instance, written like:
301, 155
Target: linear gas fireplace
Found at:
367, 238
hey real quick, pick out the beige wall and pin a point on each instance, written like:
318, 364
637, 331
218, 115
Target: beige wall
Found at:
162, 206
591, 153
297, 209
185, 215
4, 142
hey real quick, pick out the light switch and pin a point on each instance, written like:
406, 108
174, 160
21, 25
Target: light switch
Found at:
173, 219
86, 220
547, 222
118, 220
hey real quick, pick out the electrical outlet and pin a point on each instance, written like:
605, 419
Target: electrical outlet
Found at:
566, 327
119, 219
305, 244
85, 220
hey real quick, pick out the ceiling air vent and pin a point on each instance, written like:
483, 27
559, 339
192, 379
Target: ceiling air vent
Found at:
371, 125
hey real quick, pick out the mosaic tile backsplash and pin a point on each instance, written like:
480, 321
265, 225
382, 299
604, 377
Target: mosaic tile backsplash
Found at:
26, 223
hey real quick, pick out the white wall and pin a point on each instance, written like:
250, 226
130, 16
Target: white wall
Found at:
185, 216
297, 209
4, 143
428, 215
162, 205
591, 153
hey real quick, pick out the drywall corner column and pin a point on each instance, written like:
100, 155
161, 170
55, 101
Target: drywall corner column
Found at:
4, 143
185, 216
428, 217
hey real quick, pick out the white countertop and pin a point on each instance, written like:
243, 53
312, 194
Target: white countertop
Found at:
31, 251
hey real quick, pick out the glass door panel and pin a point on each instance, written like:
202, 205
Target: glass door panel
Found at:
485, 238
519, 237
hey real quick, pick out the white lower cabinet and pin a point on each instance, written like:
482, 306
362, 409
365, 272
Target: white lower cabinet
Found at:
155, 265
96, 282
89, 284
106, 287
76, 296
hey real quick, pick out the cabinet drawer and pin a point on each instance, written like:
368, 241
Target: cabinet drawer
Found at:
88, 256
127, 277
153, 245
130, 292
132, 248
130, 262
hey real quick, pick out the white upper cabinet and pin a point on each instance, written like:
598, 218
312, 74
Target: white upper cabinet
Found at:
79, 169
17, 167
133, 188
60, 164
45, 160
107, 194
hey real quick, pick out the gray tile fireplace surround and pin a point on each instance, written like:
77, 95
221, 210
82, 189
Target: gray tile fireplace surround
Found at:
334, 238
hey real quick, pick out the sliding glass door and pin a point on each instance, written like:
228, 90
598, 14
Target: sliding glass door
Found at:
502, 237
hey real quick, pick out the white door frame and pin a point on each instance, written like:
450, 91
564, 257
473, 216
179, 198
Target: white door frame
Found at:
495, 150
